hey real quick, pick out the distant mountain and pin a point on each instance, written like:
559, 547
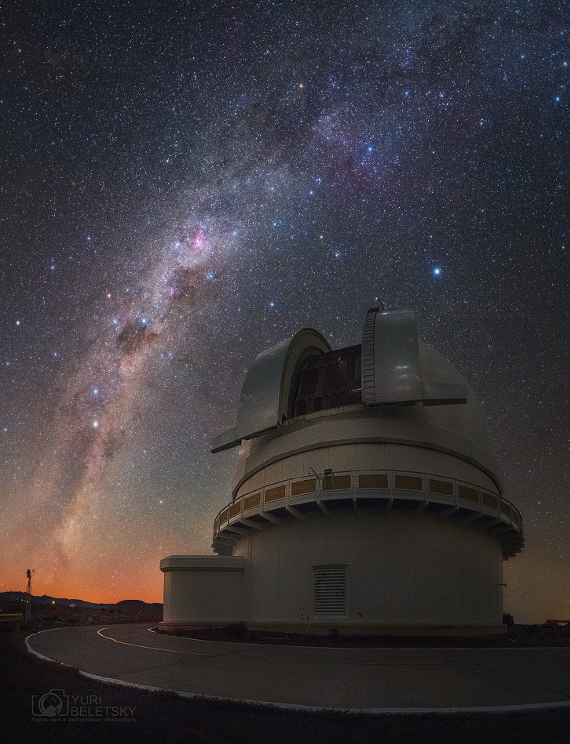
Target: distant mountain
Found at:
136, 604
131, 605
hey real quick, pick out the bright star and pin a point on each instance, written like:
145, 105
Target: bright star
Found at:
437, 271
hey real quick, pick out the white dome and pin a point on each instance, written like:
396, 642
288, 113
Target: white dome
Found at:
467, 421
424, 399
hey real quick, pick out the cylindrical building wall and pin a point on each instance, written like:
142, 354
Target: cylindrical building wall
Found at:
356, 457
400, 569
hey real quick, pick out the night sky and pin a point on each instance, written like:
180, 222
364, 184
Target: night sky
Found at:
186, 184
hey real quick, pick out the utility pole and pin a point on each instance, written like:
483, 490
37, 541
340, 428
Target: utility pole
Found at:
29, 573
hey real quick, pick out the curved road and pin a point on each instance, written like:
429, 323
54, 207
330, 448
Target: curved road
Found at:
396, 680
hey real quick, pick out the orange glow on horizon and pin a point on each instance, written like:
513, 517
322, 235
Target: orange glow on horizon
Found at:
102, 582
100, 590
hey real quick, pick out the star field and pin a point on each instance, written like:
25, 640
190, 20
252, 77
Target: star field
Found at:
183, 186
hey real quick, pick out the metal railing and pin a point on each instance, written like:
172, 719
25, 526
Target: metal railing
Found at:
389, 484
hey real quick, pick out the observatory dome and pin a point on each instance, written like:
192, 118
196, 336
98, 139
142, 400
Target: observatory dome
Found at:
367, 497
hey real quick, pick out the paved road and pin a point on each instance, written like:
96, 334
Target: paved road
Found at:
403, 679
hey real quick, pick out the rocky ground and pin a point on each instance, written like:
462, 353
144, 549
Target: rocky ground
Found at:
54, 615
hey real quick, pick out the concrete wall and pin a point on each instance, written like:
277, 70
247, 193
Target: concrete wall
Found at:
402, 569
203, 588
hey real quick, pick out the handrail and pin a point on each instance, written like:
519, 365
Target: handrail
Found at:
505, 509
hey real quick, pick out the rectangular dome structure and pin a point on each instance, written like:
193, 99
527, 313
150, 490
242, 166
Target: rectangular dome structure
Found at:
391, 369
390, 358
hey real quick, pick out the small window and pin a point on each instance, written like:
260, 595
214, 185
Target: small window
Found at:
330, 590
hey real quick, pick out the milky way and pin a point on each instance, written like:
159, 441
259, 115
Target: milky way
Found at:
185, 186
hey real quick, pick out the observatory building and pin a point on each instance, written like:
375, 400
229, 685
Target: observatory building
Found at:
366, 499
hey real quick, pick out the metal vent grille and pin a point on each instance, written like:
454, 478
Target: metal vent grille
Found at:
330, 590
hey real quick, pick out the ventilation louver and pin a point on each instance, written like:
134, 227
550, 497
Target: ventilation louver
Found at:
330, 590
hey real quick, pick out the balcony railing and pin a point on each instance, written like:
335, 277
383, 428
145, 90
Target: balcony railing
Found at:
387, 485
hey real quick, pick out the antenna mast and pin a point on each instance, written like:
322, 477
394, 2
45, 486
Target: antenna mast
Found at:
29, 573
